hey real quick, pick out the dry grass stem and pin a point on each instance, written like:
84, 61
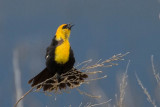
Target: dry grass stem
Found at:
80, 104
89, 95
123, 85
146, 92
17, 75
23, 96
86, 81
93, 105
155, 73
93, 72
106, 63
84, 63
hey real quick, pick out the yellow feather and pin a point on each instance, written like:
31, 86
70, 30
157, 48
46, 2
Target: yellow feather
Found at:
62, 33
62, 52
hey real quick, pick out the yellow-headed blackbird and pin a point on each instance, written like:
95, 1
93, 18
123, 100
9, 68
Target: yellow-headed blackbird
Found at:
59, 57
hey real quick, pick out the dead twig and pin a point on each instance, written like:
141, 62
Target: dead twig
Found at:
89, 95
155, 73
149, 99
123, 85
99, 103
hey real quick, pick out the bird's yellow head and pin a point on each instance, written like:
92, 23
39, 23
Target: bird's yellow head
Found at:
63, 32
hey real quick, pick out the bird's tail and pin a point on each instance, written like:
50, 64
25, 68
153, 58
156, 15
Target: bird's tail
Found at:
40, 78
50, 81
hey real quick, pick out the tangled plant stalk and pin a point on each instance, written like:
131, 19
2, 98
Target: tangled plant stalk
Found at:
76, 77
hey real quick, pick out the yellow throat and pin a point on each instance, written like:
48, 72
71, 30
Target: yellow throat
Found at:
62, 51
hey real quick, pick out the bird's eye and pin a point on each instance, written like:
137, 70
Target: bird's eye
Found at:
64, 27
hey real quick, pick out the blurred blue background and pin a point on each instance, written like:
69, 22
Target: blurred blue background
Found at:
102, 29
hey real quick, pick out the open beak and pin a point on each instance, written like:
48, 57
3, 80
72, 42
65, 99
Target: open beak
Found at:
69, 26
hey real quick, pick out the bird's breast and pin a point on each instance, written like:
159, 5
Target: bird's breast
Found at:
62, 52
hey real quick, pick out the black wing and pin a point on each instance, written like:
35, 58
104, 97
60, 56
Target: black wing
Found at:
52, 47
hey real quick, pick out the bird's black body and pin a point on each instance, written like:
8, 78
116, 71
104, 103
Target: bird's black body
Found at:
52, 67
59, 60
